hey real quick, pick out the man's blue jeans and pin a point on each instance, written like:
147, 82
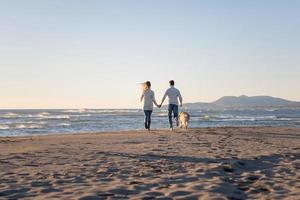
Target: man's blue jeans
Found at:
172, 109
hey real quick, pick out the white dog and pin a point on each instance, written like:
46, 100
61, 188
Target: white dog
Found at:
184, 120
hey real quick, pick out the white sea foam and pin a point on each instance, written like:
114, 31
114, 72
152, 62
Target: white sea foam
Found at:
162, 114
241, 118
81, 115
284, 119
271, 110
113, 111
94, 111
44, 113
58, 117
27, 126
223, 116
35, 122
257, 117
64, 124
52, 117
9, 115
75, 111
4, 127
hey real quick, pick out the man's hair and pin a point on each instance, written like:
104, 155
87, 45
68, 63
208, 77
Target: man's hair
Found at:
172, 82
148, 83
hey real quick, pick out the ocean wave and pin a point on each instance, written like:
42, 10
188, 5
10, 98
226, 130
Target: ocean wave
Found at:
64, 124
237, 119
44, 113
4, 127
44, 116
258, 117
26, 126
162, 114
102, 111
20, 126
243, 118
9, 115
271, 110
35, 122
33, 116
58, 117
11, 123
49, 117
270, 117
81, 115
75, 111
113, 111
284, 119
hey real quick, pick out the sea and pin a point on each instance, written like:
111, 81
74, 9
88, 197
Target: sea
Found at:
45, 122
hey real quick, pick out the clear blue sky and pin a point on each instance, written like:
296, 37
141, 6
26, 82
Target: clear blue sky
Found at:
92, 53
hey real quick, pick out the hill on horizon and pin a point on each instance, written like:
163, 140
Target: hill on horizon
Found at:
244, 101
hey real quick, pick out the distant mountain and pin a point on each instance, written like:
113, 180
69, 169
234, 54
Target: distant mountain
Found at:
244, 102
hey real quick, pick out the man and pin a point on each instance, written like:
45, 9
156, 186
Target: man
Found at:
173, 94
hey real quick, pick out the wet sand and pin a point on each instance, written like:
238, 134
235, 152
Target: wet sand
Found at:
209, 163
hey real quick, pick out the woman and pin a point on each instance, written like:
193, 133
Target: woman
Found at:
148, 98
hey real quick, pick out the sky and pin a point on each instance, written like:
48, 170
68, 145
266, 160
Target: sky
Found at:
94, 53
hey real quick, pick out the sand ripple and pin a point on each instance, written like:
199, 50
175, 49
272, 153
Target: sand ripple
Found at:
222, 163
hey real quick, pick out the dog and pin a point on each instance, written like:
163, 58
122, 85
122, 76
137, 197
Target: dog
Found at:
184, 120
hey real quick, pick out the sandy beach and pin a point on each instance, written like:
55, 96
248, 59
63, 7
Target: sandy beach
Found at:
208, 163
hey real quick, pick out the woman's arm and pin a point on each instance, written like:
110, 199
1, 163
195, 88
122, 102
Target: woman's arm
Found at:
154, 101
163, 99
142, 97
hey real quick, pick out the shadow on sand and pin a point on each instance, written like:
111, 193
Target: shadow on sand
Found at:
237, 178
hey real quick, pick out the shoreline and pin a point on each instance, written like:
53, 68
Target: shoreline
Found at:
140, 130
205, 163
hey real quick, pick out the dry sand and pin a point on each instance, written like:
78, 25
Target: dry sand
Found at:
211, 163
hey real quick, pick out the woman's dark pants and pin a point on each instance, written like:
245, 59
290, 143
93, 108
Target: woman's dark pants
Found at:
147, 118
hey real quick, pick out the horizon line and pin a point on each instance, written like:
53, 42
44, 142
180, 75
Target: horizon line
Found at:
127, 108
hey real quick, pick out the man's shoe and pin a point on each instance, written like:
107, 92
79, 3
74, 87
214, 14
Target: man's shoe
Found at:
171, 129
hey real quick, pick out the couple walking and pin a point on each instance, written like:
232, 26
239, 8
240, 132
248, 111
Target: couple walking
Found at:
148, 99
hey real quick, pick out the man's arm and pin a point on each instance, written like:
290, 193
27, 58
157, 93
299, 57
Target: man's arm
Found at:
180, 99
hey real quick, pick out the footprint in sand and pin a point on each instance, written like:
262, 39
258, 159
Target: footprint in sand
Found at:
89, 198
179, 193
13, 192
156, 150
123, 192
50, 190
154, 194
40, 184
